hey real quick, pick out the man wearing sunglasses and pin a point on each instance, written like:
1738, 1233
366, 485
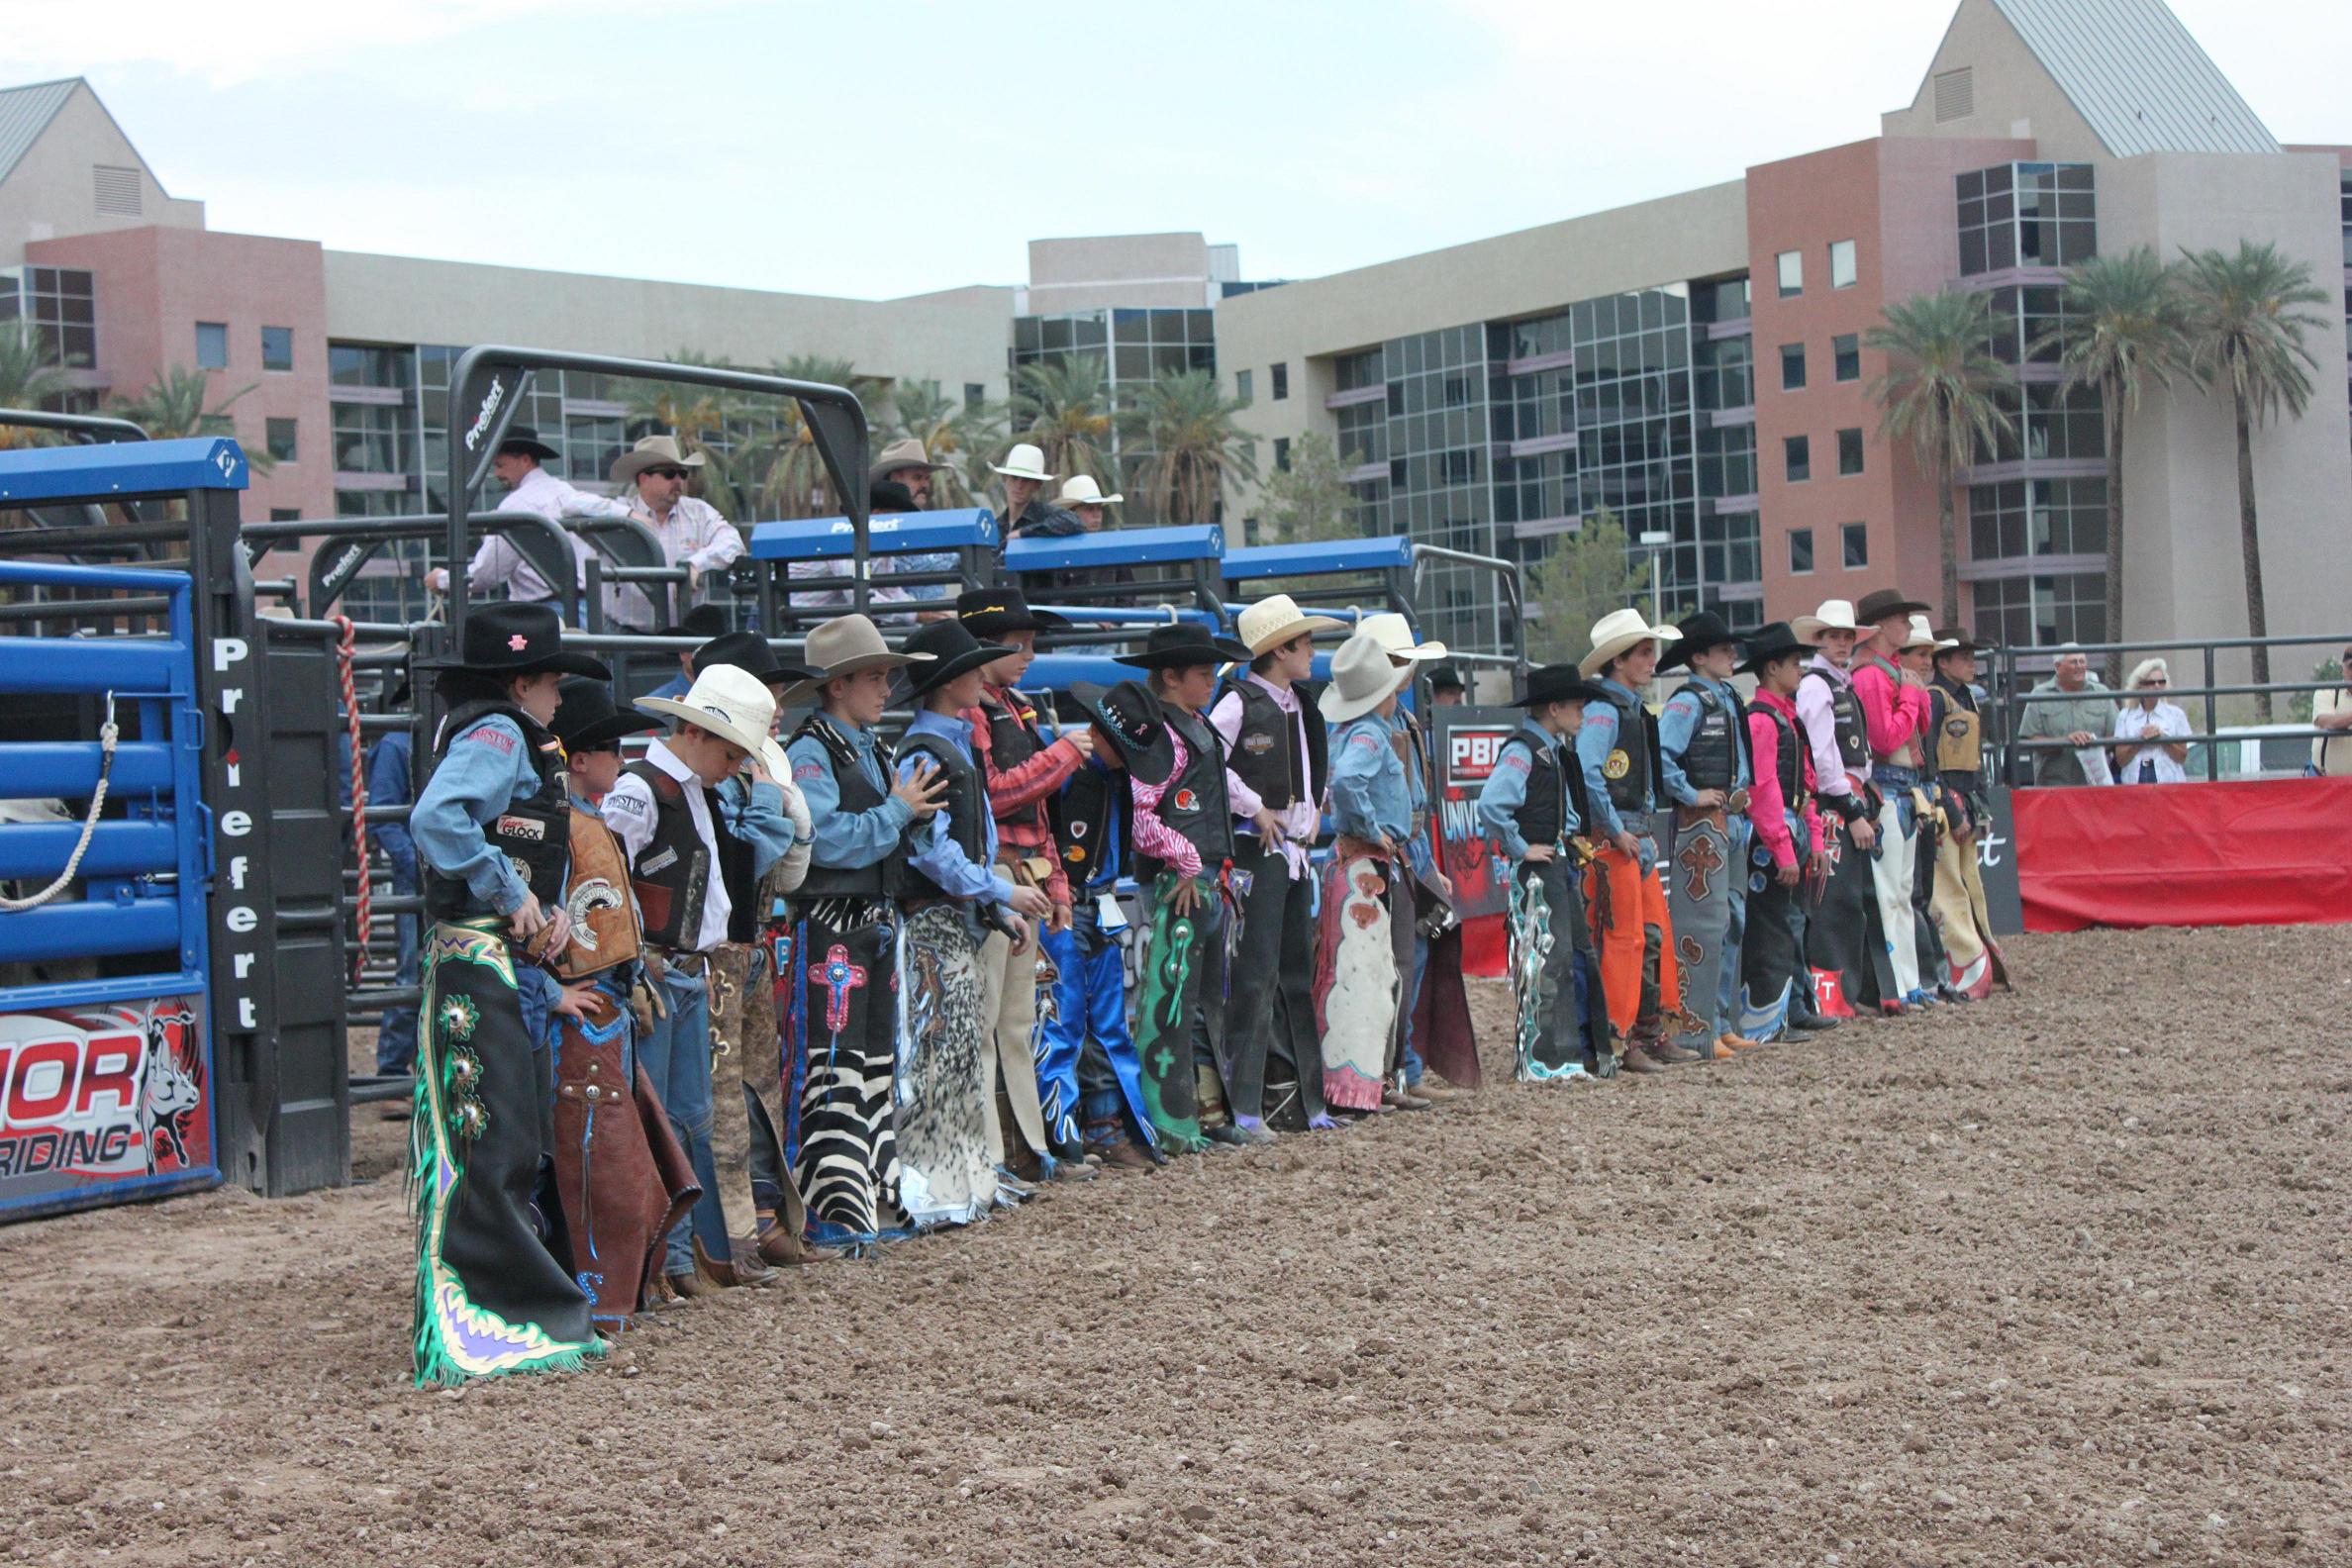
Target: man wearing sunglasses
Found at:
692, 532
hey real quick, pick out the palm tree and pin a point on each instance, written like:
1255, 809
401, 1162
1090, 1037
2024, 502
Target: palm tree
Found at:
2246, 332
28, 381
179, 404
1942, 394
1185, 424
952, 432
2124, 325
796, 484
1063, 404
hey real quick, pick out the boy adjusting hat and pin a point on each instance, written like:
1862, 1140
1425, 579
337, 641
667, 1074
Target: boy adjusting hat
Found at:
733, 703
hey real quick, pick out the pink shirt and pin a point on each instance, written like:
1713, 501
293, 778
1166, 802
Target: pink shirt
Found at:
1153, 836
1767, 808
1893, 713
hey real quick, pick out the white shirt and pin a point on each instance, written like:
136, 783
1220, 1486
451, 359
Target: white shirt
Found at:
693, 536
2331, 753
497, 562
628, 809
2152, 764
1301, 818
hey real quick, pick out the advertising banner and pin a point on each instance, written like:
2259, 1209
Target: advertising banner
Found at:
104, 1101
1467, 740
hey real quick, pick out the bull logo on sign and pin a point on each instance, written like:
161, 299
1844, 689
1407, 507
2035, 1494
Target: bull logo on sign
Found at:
169, 1093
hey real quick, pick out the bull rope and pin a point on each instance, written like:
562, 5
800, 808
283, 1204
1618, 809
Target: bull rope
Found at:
350, 702
106, 733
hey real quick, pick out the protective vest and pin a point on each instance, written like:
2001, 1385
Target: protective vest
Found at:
1013, 738
1788, 762
1845, 721
533, 834
736, 861
604, 917
1960, 734
1712, 759
1095, 806
1633, 764
965, 801
1267, 755
1194, 802
1542, 816
859, 792
672, 874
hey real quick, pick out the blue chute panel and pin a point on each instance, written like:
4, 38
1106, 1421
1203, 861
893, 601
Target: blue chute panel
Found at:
123, 469
819, 539
1117, 547
1318, 560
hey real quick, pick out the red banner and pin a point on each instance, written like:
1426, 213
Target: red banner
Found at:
2255, 852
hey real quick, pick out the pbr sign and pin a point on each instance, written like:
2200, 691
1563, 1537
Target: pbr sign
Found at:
1468, 742
103, 1097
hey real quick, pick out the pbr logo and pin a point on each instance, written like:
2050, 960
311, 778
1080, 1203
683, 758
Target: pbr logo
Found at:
102, 1094
1470, 753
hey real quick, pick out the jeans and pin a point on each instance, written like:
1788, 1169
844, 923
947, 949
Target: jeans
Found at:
1408, 1058
676, 1057
396, 1031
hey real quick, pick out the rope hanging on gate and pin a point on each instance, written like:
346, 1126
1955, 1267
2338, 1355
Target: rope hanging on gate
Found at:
350, 702
106, 733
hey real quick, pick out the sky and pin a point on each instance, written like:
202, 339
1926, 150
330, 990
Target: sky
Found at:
881, 148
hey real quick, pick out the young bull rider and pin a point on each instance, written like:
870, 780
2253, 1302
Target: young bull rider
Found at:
1704, 763
1184, 853
1775, 983
1531, 807
1278, 764
1617, 748
496, 1291
1845, 942
840, 1001
1957, 732
1894, 712
1915, 657
1362, 956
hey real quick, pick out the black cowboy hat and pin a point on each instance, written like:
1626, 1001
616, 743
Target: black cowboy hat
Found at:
1699, 632
953, 652
1559, 683
586, 718
1445, 677
992, 612
1770, 642
1964, 642
748, 650
502, 638
1884, 602
1181, 644
1131, 716
704, 620
523, 440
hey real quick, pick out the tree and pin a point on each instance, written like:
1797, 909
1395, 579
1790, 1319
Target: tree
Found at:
1943, 395
2124, 325
1309, 500
28, 381
2246, 333
953, 433
177, 403
1064, 405
1185, 422
796, 484
1586, 575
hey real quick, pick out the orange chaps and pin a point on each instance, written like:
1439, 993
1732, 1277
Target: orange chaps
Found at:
1635, 939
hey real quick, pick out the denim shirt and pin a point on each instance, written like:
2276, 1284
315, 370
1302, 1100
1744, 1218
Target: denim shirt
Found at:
847, 840
488, 768
1506, 791
936, 854
1677, 723
1370, 796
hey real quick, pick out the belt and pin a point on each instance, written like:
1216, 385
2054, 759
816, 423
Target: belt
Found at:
692, 963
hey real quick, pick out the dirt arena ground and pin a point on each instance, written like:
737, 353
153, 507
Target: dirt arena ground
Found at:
2056, 1279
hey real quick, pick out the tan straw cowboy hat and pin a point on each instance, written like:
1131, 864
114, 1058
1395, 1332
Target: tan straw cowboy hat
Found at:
1361, 676
1395, 634
653, 451
1024, 462
906, 453
733, 703
1081, 490
1619, 630
844, 645
1274, 621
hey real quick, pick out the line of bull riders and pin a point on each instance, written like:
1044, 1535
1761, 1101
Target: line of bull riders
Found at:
770, 995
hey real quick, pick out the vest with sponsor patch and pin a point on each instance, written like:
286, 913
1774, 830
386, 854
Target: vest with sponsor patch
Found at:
1013, 738
1266, 754
672, 874
1542, 816
1788, 758
1633, 761
965, 799
1960, 733
1845, 721
1194, 803
1095, 806
533, 834
857, 794
1712, 759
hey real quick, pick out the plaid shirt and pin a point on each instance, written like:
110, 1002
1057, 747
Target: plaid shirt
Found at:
1018, 796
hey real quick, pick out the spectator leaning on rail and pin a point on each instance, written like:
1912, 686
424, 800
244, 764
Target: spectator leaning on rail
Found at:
497, 563
2148, 758
692, 532
2332, 711
900, 482
2084, 714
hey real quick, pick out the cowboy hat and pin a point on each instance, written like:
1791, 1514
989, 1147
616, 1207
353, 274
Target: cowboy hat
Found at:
1181, 644
1446, 677
953, 652
651, 452
1834, 615
503, 638
705, 621
748, 650
1024, 462
1559, 683
1129, 717
733, 704
586, 718
992, 612
1880, 603
1619, 630
523, 440
844, 645
904, 453
1394, 634
1954, 640
1917, 637
1770, 642
1275, 619
1081, 490
1699, 633
1361, 679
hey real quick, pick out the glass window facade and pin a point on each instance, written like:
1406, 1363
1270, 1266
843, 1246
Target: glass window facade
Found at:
1846, 354
277, 347
56, 309
2026, 215
1724, 372
1136, 347
2050, 422
2028, 325
2041, 612
2026, 518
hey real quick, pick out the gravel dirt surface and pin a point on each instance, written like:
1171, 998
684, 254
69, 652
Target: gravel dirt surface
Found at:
2058, 1278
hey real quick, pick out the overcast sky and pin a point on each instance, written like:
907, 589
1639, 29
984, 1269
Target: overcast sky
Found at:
879, 148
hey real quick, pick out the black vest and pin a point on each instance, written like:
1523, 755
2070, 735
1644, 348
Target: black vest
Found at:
858, 794
1095, 803
1194, 803
1637, 744
1013, 738
1712, 759
1787, 757
1845, 721
736, 858
1542, 816
1266, 754
965, 799
533, 834
671, 877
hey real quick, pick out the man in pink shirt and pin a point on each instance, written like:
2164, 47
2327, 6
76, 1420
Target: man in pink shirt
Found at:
1894, 712
1845, 944
1774, 982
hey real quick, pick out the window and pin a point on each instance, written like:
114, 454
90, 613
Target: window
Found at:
279, 434
212, 346
1245, 387
55, 310
1842, 263
1792, 273
277, 347
1849, 451
1854, 541
1846, 353
1796, 453
1792, 368
1280, 377
975, 394
285, 514
1282, 454
1799, 551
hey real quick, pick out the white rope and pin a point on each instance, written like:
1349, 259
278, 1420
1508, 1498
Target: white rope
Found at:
105, 751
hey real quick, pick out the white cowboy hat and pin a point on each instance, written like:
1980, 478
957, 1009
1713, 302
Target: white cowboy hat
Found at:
1024, 462
1274, 621
733, 703
653, 451
1920, 636
1395, 634
1835, 615
1619, 630
1361, 676
1081, 490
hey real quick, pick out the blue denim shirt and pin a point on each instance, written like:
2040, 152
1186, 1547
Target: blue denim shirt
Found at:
488, 768
1677, 723
1506, 791
1370, 796
936, 854
388, 785
754, 813
846, 841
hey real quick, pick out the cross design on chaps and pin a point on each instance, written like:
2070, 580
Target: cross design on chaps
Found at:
1700, 859
839, 977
